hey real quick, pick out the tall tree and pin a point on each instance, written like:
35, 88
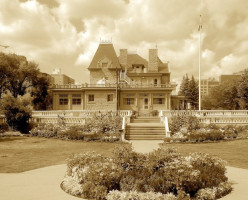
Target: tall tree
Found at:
242, 89
189, 89
19, 76
193, 92
184, 86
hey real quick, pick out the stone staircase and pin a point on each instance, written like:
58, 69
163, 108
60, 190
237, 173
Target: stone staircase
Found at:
145, 128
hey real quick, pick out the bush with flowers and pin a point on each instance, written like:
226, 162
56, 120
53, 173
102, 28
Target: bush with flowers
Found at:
162, 174
101, 127
187, 128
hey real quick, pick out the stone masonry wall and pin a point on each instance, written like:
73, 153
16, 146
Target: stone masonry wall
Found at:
123, 57
100, 101
153, 60
96, 75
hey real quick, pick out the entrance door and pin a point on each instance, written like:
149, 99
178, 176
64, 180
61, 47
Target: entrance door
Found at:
145, 103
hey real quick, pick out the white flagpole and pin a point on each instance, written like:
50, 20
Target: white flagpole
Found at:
200, 28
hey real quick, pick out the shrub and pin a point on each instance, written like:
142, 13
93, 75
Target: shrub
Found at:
134, 195
17, 111
74, 132
45, 130
188, 121
147, 176
103, 123
205, 135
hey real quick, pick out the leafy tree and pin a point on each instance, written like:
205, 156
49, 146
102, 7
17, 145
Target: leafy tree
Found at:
17, 111
224, 96
242, 89
19, 77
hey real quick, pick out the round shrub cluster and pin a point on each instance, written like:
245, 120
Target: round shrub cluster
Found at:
163, 173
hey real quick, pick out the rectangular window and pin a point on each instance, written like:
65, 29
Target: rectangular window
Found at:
110, 97
63, 99
129, 101
76, 99
91, 97
158, 101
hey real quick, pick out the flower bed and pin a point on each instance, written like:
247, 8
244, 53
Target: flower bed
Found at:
188, 129
162, 174
98, 128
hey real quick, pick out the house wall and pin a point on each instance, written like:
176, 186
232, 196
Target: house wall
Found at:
139, 105
100, 100
70, 105
96, 75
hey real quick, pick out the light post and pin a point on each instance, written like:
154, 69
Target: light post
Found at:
200, 29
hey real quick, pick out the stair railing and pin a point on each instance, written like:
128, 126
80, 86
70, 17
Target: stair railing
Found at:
166, 127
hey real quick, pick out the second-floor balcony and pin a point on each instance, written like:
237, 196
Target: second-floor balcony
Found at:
111, 85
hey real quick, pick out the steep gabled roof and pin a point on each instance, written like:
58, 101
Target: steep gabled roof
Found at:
135, 59
105, 51
162, 67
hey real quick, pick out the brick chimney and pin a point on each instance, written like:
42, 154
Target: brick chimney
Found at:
153, 60
123, 58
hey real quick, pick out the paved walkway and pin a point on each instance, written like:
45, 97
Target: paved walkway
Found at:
38, 184
44, 183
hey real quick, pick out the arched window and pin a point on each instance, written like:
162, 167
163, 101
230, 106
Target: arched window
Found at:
155, 82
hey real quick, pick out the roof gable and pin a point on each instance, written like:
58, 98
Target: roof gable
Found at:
105, 51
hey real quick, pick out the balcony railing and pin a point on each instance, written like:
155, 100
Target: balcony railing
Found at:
122, 86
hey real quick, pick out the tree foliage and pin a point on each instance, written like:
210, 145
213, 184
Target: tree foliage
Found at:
17, 111
189, 89
231, 95
19, 77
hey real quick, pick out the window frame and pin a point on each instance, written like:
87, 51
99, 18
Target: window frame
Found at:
63, 99
91, 98
109, 99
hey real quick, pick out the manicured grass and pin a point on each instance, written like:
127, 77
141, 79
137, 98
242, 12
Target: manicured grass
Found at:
234, 152
18, 154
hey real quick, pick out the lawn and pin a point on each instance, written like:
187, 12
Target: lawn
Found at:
234, 152
18, 154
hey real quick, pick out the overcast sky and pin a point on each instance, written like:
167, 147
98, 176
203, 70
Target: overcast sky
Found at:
66, 33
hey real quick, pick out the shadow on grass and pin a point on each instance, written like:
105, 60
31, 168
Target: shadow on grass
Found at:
10, 139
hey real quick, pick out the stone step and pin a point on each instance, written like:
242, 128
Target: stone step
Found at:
146, 132
144, 137
145, 120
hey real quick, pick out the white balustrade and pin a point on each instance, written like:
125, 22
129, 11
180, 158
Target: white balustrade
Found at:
211, 116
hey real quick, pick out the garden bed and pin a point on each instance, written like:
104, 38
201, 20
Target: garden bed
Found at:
162, 174
188, 129
101, 127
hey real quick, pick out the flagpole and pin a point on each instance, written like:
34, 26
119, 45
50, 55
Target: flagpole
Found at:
200, 28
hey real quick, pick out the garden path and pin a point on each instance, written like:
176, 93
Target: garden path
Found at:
38, 184
44, 183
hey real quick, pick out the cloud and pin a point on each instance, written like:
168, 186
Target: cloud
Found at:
65, 34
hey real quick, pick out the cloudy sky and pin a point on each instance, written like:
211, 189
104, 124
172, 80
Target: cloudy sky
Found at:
66, 33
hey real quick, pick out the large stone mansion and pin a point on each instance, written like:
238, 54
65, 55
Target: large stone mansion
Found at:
127, 82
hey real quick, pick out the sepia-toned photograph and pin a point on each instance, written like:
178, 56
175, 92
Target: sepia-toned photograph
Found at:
123, 99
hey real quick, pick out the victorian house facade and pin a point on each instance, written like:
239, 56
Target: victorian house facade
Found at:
127, 82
